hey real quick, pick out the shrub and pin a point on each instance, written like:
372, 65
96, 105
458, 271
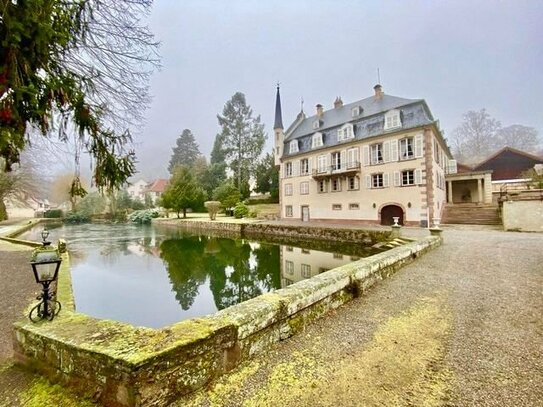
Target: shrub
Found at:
143, 216
53, 213
76, 217
212, 208
241, 210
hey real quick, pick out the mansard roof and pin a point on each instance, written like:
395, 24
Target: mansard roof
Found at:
369, 123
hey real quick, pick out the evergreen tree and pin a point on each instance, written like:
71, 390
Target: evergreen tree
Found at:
267, 176
182, 192
186, 151
242, 138
227, 194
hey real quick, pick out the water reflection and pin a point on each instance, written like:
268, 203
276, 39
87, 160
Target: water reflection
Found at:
118, 270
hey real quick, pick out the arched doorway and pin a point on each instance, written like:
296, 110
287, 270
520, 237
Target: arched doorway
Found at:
388, 212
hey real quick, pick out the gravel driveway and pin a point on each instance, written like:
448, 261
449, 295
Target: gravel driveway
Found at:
461, 326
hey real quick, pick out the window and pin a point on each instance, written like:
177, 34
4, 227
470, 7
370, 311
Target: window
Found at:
352, 158
288, 189
345, 133
288, 211
322, 186
338, 256
406, 148
316, 140
316, 124
289, 248
304, 167
304, 188
321, 163
335, 185
293, 147
392, 119
305, 251
354, 206
336, 161
352, 183
306, 271
288, 169
408, 177
377, 181
376, 153
355, 111
289, 267
336, 207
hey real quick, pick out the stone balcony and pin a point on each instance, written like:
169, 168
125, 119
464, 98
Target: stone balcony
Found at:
345, 169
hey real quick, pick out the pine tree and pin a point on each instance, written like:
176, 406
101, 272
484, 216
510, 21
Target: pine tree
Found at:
242, 137
185, 152
182, 192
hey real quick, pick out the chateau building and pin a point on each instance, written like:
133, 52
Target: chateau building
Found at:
363, 162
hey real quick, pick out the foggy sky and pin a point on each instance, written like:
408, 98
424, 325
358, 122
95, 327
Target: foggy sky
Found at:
458, 55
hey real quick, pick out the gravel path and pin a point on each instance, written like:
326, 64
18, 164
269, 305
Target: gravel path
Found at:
461, 326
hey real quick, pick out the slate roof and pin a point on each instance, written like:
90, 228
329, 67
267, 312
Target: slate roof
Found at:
508, 163
370, 123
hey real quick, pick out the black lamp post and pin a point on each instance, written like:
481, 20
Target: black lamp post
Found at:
45, 265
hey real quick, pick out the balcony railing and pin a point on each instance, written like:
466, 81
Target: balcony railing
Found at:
333, 170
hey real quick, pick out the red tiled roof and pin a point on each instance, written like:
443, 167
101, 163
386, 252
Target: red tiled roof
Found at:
158, 185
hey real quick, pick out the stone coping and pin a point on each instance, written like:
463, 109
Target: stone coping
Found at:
124, 365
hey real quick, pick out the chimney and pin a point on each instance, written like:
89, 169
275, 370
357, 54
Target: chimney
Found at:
320, 110
338, 102
378, 91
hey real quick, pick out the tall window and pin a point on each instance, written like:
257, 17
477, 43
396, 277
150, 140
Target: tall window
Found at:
288, 169
392, 119
289, 267
321, 163
304, 166
336, 161
316, 140
406, 148
352, 183
304, 188
322, 186
376, 153
335, 185
288, 211
293, 146
408, 177
306, 270
377, 181
288, 189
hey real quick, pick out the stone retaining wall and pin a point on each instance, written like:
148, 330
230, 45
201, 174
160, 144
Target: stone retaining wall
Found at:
123, 365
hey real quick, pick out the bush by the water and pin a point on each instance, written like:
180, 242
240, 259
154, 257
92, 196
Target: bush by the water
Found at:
143, 216
53, 213
241, 210
76, 217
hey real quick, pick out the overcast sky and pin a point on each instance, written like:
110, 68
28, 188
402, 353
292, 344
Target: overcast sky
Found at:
458, 55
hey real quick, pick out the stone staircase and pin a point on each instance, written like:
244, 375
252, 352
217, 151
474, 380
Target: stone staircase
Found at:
471, 214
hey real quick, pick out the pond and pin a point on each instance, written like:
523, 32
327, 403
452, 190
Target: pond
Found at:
154, 276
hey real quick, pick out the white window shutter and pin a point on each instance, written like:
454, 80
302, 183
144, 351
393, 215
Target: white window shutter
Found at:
356, 154
309, 160
356, 183
366, 155
394, 150
386, 151
396, 178
418, 177
343, 159
386, 183
418, 146
296, 168
452, 167
368, 181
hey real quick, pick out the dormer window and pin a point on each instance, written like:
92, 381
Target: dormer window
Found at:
345, 133
316, 124
316, 140
392, 119
293, 147
356, 111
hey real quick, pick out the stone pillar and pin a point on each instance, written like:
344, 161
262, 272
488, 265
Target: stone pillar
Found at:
449, 192
480, 190
396, 231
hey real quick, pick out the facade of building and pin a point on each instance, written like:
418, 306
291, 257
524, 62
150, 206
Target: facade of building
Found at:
137, 190
363, 162
156, 188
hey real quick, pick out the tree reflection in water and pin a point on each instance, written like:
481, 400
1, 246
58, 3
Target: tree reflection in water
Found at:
237, 270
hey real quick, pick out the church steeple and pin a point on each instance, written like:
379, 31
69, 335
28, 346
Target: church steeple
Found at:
278, 115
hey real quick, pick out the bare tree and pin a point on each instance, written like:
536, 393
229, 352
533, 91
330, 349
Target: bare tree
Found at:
475, 138
520, 137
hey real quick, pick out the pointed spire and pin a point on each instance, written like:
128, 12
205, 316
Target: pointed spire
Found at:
278, 115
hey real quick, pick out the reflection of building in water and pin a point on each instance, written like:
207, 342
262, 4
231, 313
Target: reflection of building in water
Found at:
298, 264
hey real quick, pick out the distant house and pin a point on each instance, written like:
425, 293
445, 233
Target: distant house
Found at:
156, 188
137, 190
508, 164
26, 207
